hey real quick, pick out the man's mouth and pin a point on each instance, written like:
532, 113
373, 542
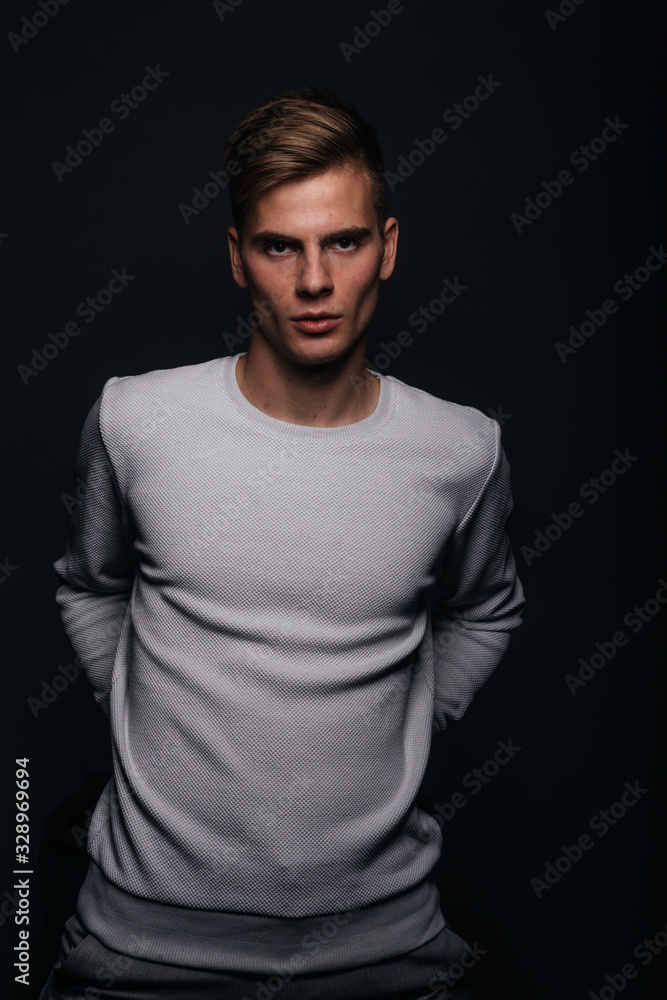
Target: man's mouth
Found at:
316, 322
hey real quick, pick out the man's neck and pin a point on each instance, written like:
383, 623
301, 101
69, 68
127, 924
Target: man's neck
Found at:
324, 400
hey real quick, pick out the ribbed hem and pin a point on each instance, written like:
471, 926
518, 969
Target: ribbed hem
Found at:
226, 373
242, 942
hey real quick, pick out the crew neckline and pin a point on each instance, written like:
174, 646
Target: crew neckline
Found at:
226, 373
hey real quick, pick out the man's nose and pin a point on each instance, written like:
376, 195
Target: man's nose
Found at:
314, 275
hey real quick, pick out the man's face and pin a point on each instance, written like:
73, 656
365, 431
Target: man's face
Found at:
312, 250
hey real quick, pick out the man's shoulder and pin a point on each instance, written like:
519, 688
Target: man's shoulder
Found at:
171, 382
459, 432
133, 406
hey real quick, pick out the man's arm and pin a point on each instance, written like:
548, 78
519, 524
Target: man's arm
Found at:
481, 597
97, 570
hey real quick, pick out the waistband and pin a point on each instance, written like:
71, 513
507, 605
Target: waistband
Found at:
243, 942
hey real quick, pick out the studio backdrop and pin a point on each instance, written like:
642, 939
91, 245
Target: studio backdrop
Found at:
523, 150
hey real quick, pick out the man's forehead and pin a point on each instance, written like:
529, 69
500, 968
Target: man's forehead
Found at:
338, 197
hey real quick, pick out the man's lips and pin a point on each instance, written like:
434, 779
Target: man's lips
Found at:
316, 323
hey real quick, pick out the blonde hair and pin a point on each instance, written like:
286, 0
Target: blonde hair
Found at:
297, 135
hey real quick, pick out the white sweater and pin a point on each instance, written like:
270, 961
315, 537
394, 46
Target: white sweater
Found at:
255, 605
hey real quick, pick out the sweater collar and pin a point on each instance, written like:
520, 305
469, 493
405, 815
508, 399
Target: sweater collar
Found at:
226, 372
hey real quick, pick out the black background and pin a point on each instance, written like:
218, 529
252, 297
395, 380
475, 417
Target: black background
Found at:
493, 349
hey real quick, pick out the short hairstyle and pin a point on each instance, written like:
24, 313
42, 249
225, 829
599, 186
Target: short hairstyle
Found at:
296, 135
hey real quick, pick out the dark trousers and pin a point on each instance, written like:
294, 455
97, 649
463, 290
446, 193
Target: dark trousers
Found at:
87, 970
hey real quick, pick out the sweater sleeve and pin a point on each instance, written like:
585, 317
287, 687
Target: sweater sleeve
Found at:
481, 597
96, 572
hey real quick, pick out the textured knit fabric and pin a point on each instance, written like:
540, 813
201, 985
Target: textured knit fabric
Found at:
254, 603
433, 971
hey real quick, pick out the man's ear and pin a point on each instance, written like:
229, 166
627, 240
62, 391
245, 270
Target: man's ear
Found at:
238, 269
390, 241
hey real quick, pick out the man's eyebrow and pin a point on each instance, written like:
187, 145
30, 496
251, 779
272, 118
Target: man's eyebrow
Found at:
271, 236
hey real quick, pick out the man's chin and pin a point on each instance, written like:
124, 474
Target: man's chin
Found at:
318, 349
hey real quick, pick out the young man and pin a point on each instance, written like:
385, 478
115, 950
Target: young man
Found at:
250, 583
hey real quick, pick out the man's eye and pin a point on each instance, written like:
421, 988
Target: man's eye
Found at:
280, 248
